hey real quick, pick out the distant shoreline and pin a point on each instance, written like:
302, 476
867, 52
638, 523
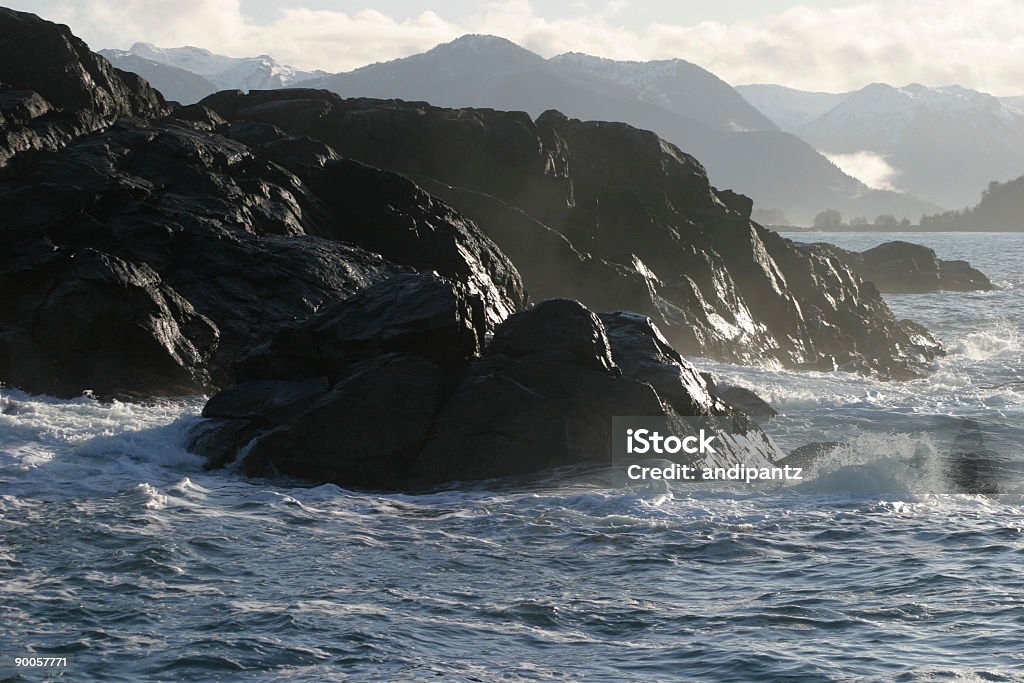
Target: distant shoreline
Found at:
873, 228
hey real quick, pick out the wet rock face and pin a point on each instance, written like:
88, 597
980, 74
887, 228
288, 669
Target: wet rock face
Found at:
618, 219
55, 89
245, 243
557, 327
904, 268
148, 257
145, 253
542, 396
79, 317
423, 315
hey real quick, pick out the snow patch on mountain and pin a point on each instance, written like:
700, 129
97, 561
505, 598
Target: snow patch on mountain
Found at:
245, 73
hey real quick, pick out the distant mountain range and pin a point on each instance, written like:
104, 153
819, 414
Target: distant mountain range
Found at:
943, 144
741, 148
789, 109
217, 71
176, 84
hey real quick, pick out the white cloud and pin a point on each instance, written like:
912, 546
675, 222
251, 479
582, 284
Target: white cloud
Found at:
870, 168
978, 44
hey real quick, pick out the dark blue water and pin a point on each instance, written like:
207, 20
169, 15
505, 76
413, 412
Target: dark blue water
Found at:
118, 550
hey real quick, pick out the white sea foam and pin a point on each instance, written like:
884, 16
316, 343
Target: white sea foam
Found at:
999, 340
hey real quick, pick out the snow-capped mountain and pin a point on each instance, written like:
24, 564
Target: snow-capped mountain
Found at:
175, 83
243, 73
788, 108
945, 144
1014, 102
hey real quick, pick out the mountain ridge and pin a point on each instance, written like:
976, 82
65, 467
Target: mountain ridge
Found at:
801, 181
943, 143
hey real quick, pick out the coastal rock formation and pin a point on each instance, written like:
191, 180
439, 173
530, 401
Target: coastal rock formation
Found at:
53, 89
904, 268
542, 396
739, 397
363, 331
619, 219
214, 224
146, 256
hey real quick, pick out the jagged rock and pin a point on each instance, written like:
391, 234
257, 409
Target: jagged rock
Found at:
365, 432
65, 90
47, 58
542, 396
619, 219
219, 244
418, 314
237, 225
76, 318
225, 230
645, 355
741, 398
553, 327
904, 268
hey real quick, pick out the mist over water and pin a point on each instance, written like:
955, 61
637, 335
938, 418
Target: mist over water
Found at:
119, 550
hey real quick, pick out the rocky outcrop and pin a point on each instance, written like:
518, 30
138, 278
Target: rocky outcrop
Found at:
77, 318
739, 397
904, 268
55, 89
215, 224
618, 219
147, 256
542, 395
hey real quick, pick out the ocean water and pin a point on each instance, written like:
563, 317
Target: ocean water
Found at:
118, 551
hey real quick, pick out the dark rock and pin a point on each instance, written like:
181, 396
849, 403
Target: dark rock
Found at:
551, 265
77, 319
246, 243
47, 58
644, 355
740, 398
520, 416
419, 314
542, 396
619, 219
736, 202
65, 90
221, 441
557, 325
224, 232
365, 432
247, 410
960, 276
268, 402
746, 400
905, 268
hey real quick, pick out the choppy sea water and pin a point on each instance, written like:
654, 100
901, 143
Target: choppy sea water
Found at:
118, 550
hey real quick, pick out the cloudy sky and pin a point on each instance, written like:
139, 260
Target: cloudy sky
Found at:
828, 45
